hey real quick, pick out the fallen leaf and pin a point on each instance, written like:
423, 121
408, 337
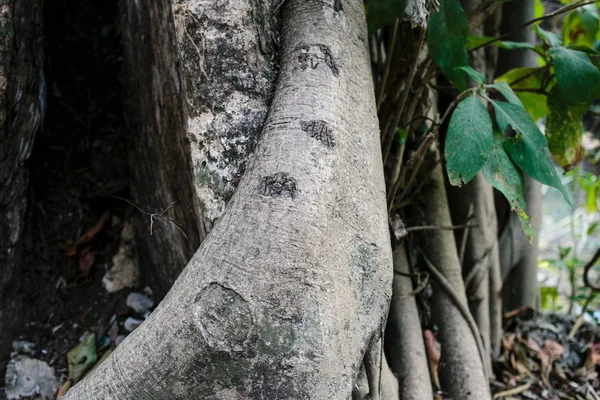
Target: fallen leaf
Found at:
593, 355
86, 260
89, 235
433, 355
64, 389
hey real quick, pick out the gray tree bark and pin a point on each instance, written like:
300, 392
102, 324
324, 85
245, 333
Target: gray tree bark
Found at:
518, 257
22, 97
289, 293
159, 156
461, 370
200, 78
404, 337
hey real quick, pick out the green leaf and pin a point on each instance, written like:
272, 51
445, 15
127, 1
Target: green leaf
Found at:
383, 12
527, 78
81, 358
592, 227
507, 92
502, 174
447, 32
550, 37
474, 41
528, 148
590, 19
576, 75
468, 141
564, 129
471, 73
538, 8
401, 134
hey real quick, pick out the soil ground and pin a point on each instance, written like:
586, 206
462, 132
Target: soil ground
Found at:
78, 163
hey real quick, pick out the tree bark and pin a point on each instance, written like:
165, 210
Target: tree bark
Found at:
289, 293
461, 370
227, 51
481, 249
406, 349
518, 256
200, 78
22, 97
159, 152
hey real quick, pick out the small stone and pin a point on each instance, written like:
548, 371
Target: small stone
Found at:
23, 347
27, 377
131, 323
139, 303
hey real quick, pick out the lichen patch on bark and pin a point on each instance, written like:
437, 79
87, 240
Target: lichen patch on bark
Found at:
227, 52
224, 318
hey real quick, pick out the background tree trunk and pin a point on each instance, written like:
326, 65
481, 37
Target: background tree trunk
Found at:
289, 293
159, 152
518, 257
404, 337
200, 75
22, 97
461, 368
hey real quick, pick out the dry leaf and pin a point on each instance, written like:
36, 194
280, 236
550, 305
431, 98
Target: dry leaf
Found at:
89, 235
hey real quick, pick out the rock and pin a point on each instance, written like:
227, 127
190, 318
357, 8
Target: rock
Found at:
131, 323
139, 303
28, 377
23, 347
124, 272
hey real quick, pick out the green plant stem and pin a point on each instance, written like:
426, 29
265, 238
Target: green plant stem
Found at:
579, 321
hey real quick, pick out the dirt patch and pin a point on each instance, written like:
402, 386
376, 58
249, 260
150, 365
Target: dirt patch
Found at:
79, 163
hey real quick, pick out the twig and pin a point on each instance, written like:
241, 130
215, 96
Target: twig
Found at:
416, 155
463, 243
407, 89
560, 11
447, 287
512, 392
579, 321
527, 75
439, 228
483, 12
157, 215
418, 119
530, 90
388, 61
586, 270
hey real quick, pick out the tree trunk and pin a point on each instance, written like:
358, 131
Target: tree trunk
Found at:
159, 156
518, 257
461, 369
289, 293
22, 97
481, 249
200, 78
404, 336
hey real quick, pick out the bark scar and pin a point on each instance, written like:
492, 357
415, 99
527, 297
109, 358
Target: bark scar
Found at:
311, 55
278, 185
318, 129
